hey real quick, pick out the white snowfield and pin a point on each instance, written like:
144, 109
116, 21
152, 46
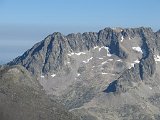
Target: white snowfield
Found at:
138, 49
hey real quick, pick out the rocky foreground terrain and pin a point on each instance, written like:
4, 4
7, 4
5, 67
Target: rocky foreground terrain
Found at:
22, 98
113, 74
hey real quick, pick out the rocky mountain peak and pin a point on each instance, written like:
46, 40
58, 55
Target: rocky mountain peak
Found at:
95, 73
49, 55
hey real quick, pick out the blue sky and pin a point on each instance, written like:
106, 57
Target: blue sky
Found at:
25, 22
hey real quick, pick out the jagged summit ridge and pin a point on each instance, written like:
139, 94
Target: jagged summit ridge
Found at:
49, 55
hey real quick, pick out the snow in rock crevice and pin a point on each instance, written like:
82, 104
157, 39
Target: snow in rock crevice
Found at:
119, 60
42, 76
104, 62
104, 73
78, 74
129, 38
53, 75
150, 88
136, 61
122, 38
95, 47
79, 53
132, 64
88, 60
110, 59
157, 58
107, 48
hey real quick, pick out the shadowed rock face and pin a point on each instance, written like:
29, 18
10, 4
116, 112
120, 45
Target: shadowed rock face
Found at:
22, 98
102, 75
111, 87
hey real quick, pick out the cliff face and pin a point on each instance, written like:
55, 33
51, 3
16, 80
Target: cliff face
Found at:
100, 75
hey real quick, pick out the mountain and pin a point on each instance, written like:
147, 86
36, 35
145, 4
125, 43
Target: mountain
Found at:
105, 75
22, 98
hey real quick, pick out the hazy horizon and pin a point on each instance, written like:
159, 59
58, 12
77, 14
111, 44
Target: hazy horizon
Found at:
24, 23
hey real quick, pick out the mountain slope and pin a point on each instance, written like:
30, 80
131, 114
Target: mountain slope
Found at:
21, 98
105, 75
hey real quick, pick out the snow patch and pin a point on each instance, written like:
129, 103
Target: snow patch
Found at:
110, 59
53, 75
78, 74
122, 38
95, 47
88, 60
70, 54
104, 62
83, 53
100, 58
138, 49
84, 61
129, 38
132, 64
68, 62
108, 53
157, 58
105, 48
136, 61
150, 88
104, 73
119, 60
42, 76
79, 53
100, 48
